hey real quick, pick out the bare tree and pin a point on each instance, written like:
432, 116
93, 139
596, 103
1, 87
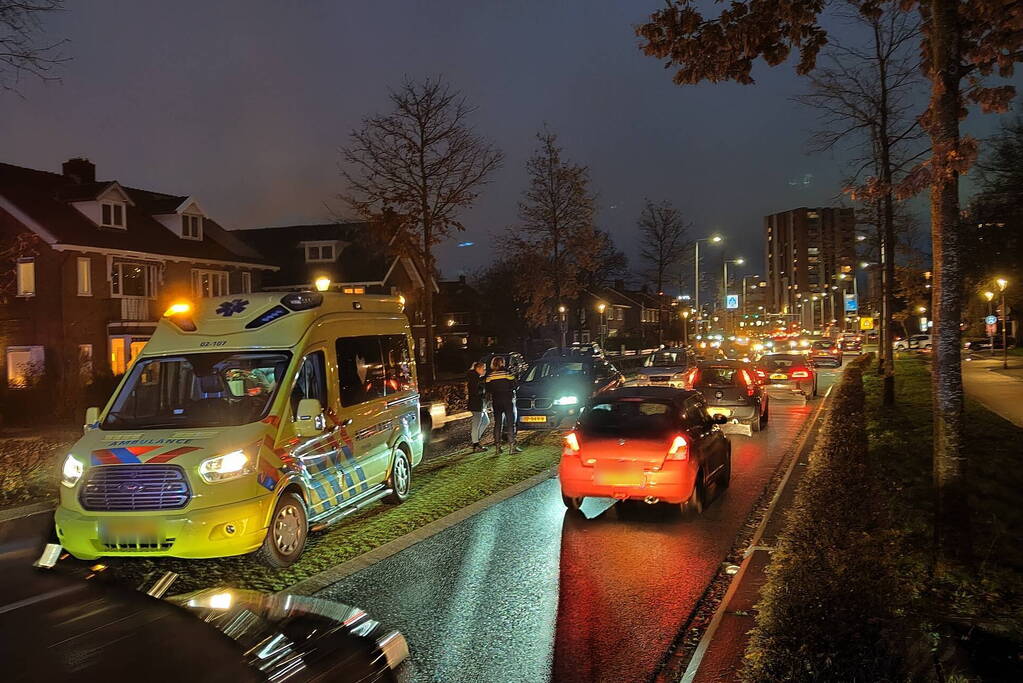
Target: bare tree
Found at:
865, 97
556, 232
662, 243
424, 163
21, 51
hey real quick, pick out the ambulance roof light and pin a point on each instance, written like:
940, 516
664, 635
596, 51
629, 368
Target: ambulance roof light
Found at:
302, 301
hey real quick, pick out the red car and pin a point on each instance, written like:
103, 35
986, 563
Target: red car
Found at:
826, 352
654, 444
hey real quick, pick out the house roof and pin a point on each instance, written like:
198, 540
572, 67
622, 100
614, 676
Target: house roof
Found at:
359, 257
42, 202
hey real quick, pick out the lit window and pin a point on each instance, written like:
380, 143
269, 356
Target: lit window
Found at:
209, 283
84, 276
353, 290
112, 215
191, 227
25, 366
26, 277
246, 283
319, 252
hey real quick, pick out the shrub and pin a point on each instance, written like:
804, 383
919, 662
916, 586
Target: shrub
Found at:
28, 469
831, 605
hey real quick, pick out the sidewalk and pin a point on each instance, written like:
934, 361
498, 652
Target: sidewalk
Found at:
1000, 391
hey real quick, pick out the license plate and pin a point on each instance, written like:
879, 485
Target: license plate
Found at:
719, 411
617, 475
129, 529
778, 375
534, 418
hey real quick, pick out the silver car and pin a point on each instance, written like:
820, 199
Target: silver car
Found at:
664, 368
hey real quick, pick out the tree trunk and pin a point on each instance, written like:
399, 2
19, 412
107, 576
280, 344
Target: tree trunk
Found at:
886, 336
952, 523
887, 218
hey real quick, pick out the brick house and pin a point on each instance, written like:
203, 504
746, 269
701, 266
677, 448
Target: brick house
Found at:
350, 255
88, 267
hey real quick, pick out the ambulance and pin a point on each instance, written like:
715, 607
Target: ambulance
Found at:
245, 423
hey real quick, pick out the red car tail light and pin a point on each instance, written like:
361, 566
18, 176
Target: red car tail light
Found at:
748, 381
679, 449
691, 379
800, 374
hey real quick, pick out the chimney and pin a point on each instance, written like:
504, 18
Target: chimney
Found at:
619, 285
80, 170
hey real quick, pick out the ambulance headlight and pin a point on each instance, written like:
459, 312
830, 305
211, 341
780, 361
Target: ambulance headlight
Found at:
224, 467
71, 472
566, 401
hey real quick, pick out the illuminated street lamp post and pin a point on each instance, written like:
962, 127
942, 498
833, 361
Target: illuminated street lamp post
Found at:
990, 337
715, 239
724, 285
685, 328
602, 307
564, 325
1002, 284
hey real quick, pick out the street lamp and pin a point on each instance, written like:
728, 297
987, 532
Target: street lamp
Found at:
564, 324
724, 301
685, 328
991, 337
1002, 284
603, 325
713, 239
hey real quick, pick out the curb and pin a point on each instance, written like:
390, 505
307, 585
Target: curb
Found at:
11, 514
754, 546
318, 582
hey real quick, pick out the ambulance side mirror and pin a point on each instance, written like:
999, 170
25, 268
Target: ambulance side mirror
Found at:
91, 417
309, 420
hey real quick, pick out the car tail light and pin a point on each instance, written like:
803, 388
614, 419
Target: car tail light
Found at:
571, 444
691, 381
800, 374
749, 382
679, 449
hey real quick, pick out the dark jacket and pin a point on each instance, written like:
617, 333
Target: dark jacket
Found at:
474, 391
501, 386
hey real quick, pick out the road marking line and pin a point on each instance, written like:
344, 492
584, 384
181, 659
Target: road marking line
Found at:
733, 587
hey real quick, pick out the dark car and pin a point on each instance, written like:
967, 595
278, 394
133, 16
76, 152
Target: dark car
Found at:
554, 389
95, 631
589, 350
851, 344
514, 362
825, 352
985, 343
654, 444
790, 373
731, 388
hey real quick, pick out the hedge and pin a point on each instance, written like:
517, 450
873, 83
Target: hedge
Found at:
830, 608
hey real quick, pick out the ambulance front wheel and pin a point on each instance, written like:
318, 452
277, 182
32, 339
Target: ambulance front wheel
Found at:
400, 481
286, 535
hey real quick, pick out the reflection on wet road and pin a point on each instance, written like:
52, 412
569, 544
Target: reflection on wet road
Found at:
524, 592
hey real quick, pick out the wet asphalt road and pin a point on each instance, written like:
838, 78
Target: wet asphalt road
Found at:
525, 592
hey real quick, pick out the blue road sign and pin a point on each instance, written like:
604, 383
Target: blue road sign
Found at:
850, 303
732, 301
991, 320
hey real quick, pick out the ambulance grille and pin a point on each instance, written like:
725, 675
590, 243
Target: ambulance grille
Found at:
127, 488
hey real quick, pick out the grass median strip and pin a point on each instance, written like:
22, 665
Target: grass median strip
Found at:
440, 486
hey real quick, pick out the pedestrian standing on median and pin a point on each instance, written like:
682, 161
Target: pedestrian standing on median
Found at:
475, 390
500, 388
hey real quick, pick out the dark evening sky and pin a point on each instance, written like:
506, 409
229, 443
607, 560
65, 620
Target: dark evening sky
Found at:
244, 104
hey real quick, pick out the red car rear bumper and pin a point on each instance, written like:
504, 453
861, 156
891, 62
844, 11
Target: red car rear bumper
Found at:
673, 483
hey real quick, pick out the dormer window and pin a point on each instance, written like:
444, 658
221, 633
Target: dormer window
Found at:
112, 215
191, 226
319, 252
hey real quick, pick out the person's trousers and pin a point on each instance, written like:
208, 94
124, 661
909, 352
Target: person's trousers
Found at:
480, 421
504, 418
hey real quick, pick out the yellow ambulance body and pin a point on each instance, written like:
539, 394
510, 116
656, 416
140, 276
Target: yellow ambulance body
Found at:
245, 422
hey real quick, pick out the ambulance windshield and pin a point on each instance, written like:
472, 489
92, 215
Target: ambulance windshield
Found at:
198, 390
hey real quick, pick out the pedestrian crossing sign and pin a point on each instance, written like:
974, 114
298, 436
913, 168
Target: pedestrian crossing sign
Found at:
866, 323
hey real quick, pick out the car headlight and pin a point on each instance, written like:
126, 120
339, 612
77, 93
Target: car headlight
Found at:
566, 401
224, 467
71, 472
